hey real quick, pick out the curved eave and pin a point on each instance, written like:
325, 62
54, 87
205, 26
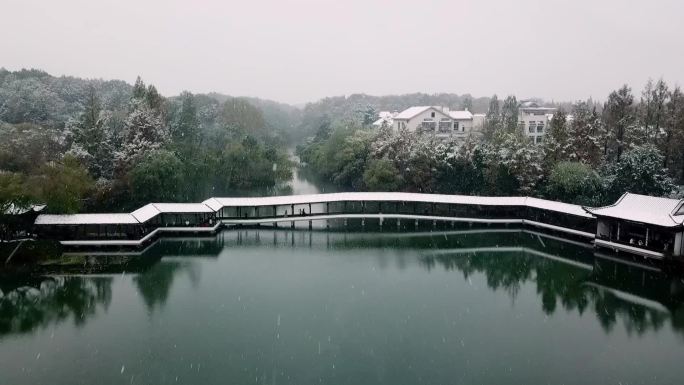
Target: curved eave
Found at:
668, 225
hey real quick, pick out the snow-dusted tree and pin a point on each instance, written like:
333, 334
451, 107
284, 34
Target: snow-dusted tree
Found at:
619, 118
672, 141
13, 191
239, 114
394, 146
421, 170
585, 135
511, 154
509, 114
639, 171
458, 169
575, 182
92, 144
493, 117
139, 89
144, 131
158, 176
557, 141
185, 129
155, 101
63, 185
368, 115
652, 108
29, 99
382, 175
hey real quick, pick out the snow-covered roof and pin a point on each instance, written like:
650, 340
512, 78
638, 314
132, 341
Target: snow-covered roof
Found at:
146, 212
183, 208
646, 209
370, 197
540, 109
86, 219
461, 115
211, 205
151, 210
411, 112
557, 206
400, 197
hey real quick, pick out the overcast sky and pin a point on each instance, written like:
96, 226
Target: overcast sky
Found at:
301, 50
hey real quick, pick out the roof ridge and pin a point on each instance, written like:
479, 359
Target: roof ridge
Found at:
207, 206
610, 205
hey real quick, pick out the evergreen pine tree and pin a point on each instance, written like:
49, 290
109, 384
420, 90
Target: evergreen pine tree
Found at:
493, 117
509, 114
619, 118
186, 129
139, 89
556, 142
584, 137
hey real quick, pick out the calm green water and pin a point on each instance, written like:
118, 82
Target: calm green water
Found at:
299, 307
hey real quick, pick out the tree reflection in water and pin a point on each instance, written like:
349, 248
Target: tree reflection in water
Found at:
28, 304
639, 299
566, 276
154, 285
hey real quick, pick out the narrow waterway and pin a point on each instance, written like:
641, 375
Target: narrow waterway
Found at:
304, 182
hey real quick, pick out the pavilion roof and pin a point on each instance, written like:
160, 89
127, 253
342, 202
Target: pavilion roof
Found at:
646, 209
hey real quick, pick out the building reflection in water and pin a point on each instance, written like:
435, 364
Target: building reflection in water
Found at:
567, 275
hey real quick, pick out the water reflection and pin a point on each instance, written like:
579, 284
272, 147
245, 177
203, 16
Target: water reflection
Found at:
30, 303
155, 284
567, 276
642, 299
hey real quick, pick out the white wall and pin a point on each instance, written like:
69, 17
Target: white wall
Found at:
526, 116
465, 126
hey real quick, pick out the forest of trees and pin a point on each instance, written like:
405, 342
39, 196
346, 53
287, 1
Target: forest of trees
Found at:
84, 145
95, 145
591, 155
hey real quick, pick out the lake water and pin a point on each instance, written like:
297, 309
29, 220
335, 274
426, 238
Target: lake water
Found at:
285, 306
282, 306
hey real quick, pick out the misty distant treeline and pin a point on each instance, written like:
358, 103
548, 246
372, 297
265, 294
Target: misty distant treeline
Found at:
81, 145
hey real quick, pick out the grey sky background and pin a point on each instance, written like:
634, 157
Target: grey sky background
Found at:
301, 50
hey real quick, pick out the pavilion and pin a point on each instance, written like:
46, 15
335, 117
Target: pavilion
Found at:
640, 224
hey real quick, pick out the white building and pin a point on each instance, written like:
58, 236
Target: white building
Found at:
534, 120
440, 121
